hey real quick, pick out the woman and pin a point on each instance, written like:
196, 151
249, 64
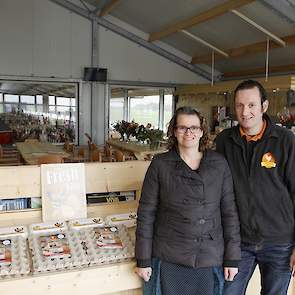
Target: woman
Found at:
187, 215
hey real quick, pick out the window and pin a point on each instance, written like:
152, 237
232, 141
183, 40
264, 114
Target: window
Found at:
57, 112
51, 100
145, 110
11, 98
52, 112
63, 101
168, 111
39, 99
10, 107
63, 112
29, 109
142, 106
27, 99
39, 109
116, 110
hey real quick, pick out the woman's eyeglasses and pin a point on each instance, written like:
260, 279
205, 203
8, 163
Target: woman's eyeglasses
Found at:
183, 129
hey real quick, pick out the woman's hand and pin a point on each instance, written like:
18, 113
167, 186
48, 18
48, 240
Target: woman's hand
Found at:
292, 263
230, 273
144, 272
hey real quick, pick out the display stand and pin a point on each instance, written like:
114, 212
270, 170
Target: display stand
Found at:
119, 278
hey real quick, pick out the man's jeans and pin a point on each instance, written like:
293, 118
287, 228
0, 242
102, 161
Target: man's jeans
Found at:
273, 262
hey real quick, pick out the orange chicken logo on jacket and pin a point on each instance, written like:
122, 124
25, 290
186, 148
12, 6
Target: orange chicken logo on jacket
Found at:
268, 161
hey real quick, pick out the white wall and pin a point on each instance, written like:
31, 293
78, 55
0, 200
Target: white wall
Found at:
42, 40
39, 38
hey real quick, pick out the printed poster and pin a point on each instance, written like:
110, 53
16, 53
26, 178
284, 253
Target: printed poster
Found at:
63, 191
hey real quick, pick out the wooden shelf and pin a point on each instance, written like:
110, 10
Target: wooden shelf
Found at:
117, 279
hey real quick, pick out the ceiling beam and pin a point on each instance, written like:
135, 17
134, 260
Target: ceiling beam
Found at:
260, 71
281, 82
244, 50
283, 8
199, 18
260, 28
108, 8
136, 39
196, 38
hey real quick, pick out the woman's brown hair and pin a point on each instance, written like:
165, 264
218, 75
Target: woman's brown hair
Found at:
172, 141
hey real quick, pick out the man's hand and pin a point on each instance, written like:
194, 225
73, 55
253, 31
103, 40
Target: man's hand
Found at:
144, 272
292, 263
230, 273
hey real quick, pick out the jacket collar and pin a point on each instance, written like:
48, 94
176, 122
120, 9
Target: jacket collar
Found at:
182, 169
270, 131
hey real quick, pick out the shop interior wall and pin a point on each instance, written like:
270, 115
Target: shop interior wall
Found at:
277, 102
205, 102
42, 40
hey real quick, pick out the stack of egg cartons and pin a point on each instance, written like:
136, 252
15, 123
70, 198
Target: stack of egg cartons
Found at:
55, 248
14, 258
103, 243
127, 219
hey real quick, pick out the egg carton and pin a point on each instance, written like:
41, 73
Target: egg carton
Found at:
14, 256
82, 223
105, 244
55, 249
47, 227
127, 219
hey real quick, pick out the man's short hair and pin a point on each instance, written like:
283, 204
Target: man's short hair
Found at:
250, 84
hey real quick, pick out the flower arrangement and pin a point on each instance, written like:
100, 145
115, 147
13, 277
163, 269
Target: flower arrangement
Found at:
141, 132
131, 129
126, 128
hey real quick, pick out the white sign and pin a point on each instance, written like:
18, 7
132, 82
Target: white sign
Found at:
63, 191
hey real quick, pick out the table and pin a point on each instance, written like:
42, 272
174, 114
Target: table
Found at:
140, 151
31, 151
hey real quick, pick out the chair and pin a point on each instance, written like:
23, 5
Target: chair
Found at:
95, 156
81, 152
50, 159
70, 148
110, 157
91, 146
66, 146
129, 156
119, 156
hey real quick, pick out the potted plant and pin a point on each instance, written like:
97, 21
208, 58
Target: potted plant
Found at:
155, 136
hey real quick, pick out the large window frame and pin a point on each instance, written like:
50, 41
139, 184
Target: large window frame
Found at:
165, 101
39, 106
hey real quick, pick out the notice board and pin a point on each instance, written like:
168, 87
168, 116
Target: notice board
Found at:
63, 191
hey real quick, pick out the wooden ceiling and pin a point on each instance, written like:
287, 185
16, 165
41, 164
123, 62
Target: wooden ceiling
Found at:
230, 36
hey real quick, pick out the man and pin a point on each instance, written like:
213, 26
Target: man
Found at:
261, 156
